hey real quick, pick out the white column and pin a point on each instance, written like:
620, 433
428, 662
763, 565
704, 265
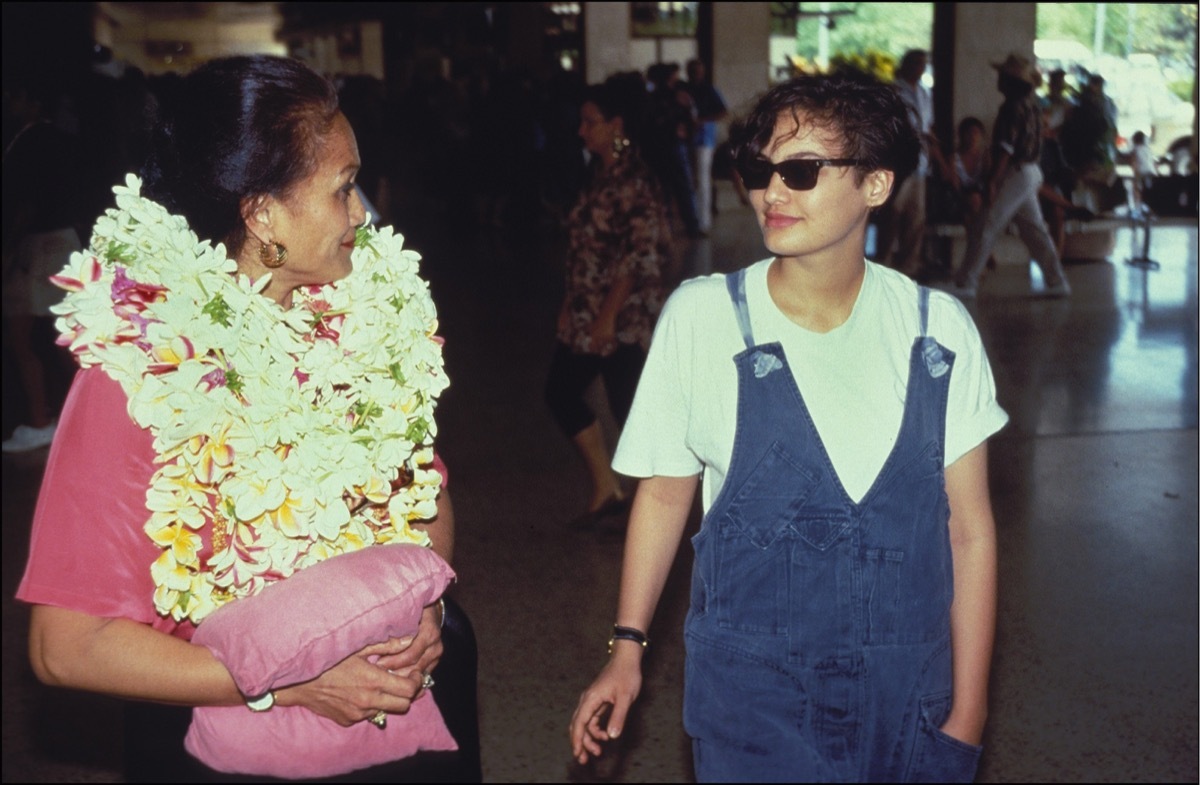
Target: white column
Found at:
606, 39
741, 52
986, 33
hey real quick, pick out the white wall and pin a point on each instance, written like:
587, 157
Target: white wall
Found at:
741, 47
606, 39
986, 33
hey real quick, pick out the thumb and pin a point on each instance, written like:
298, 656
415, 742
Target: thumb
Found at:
616, 720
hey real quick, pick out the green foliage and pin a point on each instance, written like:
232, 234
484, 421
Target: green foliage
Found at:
1182, 89
1164, 29
219, 311
860, 28
1167, 30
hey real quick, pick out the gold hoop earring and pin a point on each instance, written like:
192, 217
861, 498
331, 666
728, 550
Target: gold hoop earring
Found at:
272, 255
619, 145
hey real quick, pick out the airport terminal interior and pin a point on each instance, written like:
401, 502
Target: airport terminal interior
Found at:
1093, 482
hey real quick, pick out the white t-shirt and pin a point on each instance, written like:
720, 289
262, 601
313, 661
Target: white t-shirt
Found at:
1143, 161
853, 379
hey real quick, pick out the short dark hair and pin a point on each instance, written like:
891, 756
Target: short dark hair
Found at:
621, 95
967, 123
911, 58
869, 115
234, 128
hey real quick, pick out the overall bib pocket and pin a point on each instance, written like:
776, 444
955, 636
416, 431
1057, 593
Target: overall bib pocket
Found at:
753, 540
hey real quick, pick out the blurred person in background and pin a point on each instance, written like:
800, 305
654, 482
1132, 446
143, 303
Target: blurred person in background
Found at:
618, 243
710, 110
1013, 184
904, 223
42, 208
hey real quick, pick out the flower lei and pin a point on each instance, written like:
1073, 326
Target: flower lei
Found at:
292, 434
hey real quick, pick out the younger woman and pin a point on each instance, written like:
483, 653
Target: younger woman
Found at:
843, 594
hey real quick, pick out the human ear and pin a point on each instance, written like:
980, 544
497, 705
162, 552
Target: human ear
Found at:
256, 215
878, 185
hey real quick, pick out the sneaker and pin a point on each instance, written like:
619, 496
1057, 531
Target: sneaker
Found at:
26, 438
1057, 291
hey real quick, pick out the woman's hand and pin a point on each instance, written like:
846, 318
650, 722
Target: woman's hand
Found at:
604, 335
386, 676
959, 726
419, 653
603, 707
354, 690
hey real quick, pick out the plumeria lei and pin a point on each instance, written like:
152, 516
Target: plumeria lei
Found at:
292, 435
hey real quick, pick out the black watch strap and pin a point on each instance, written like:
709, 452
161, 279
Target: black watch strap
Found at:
620, 633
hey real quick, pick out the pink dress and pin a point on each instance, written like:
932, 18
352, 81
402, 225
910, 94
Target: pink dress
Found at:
88, 552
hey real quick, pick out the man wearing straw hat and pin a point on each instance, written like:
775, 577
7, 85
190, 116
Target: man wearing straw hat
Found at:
1013, 184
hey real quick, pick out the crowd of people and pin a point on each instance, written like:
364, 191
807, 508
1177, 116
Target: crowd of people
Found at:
771, 392
1064, 144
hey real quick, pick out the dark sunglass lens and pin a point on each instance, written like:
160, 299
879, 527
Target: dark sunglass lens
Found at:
799, 175
755, 172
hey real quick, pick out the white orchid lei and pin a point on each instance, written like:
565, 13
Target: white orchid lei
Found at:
292, 434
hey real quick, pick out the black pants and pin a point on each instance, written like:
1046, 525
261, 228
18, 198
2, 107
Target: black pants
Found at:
571, 374
154, 733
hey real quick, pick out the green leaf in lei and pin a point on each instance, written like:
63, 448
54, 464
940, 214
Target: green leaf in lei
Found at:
219, 311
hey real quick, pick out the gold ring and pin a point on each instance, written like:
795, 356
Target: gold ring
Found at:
379, 720
427, 681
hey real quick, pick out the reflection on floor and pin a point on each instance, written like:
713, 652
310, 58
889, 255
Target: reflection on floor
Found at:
1094, 483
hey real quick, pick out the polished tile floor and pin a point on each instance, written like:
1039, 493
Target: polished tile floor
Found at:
1094, 484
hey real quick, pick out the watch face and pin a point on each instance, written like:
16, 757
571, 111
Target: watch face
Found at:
261, 702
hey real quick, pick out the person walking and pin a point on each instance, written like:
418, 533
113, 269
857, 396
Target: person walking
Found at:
618, 242
1013, 184
843, 594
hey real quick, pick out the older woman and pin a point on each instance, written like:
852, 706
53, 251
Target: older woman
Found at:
234, 422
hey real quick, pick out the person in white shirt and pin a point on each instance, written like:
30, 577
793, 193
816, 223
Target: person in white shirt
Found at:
843, 594
1144, 169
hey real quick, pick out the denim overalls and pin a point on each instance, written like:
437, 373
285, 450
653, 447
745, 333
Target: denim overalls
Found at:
818, 638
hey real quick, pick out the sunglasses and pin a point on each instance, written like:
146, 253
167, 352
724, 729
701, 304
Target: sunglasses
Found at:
799, 174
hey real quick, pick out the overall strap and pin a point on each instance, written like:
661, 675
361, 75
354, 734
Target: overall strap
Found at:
924, 305
736, 283
932, 352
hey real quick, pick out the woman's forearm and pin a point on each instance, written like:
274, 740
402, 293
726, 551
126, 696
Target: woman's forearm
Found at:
656, 523
973, 614
126, 659
618, 293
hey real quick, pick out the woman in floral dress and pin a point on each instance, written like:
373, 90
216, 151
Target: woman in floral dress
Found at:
618, 243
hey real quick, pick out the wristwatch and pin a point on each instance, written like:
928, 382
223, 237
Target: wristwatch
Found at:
259, 703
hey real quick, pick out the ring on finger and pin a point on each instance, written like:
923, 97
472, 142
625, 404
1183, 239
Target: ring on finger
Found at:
427, 681
379, 720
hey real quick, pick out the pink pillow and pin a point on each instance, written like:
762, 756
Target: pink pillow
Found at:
296, 629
